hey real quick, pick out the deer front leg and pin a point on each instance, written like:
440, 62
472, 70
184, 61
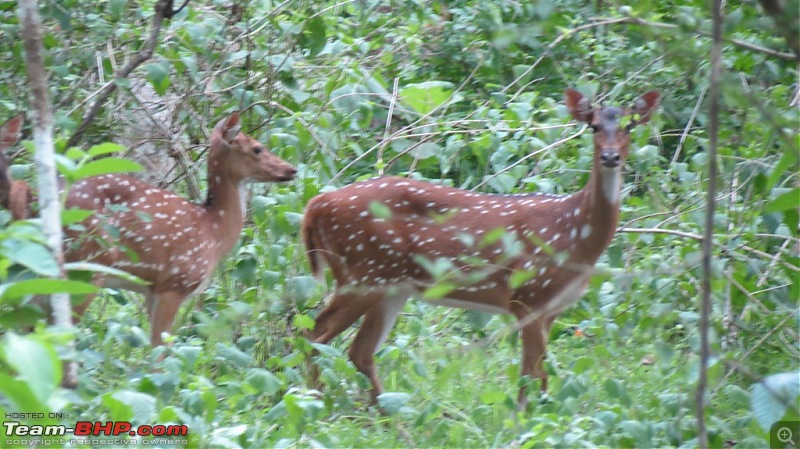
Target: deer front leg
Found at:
534, 348
162, 307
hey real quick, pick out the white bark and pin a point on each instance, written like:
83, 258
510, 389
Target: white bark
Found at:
49, 205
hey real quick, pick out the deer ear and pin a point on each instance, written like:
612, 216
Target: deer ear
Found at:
578, 105
9, 132
645, 105
229, 128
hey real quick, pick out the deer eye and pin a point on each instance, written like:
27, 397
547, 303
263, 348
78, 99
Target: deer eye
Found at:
258, 149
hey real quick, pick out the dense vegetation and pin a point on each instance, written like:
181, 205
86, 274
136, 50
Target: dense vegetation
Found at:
468, 93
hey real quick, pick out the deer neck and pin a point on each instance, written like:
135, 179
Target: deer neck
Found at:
599, 206
224, 206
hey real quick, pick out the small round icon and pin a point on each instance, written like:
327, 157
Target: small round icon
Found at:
785, 435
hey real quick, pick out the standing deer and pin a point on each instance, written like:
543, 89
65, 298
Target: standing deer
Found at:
379, 260
160, 237
14, 195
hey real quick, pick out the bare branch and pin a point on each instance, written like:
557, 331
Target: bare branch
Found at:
163, 9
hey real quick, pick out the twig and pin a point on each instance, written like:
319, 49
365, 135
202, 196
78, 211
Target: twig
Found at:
737, 42
689, 125
388, 126
163, 8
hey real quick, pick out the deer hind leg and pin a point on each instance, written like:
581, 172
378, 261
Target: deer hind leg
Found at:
375, 328
343, 309
534, 348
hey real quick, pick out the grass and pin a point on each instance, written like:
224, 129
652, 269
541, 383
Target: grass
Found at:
607, 389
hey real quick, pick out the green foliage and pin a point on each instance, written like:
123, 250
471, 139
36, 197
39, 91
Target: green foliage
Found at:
461, 93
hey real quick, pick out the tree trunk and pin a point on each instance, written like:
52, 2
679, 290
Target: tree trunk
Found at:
49, 205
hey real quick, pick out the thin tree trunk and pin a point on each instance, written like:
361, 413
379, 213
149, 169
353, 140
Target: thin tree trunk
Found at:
708, 238
49, 205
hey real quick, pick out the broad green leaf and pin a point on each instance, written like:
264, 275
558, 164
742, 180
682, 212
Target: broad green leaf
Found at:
313, 37
493, 397
18, 393
104, 269
303, 321
125, 405
233, 355
105, 148
439, 290
105, 166
771, 396
117, 8
391, 403
34, 256
520, 277
426, 97
37, 365
788, 159
158, 75
263, 380
72, 216
379, 210
302, 288
45, 287
327, 350
787, 200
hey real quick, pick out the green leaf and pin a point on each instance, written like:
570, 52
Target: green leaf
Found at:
125, 405
770, 397
45, 287
519, 277
38, 365
105, 148
439, 290
72, 216
302, 321
788, 200
158, 75
782, 167
616, 390
379, 210
18, 393
493, 397
33, 256
313, 38
302, 288
233, 355
426, 97
391, 403
105, 166
117, 8
104, 269
263, 380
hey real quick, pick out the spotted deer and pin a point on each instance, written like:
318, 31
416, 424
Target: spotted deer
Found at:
14, 195
160, 237
382, 237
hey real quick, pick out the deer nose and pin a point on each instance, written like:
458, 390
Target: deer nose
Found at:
290, 173
610, 159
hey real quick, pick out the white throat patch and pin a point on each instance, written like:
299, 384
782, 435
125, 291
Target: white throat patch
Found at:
609, 180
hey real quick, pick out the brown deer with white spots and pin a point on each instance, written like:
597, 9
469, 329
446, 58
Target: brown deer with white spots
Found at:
380, 237
14, 195
160, 237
